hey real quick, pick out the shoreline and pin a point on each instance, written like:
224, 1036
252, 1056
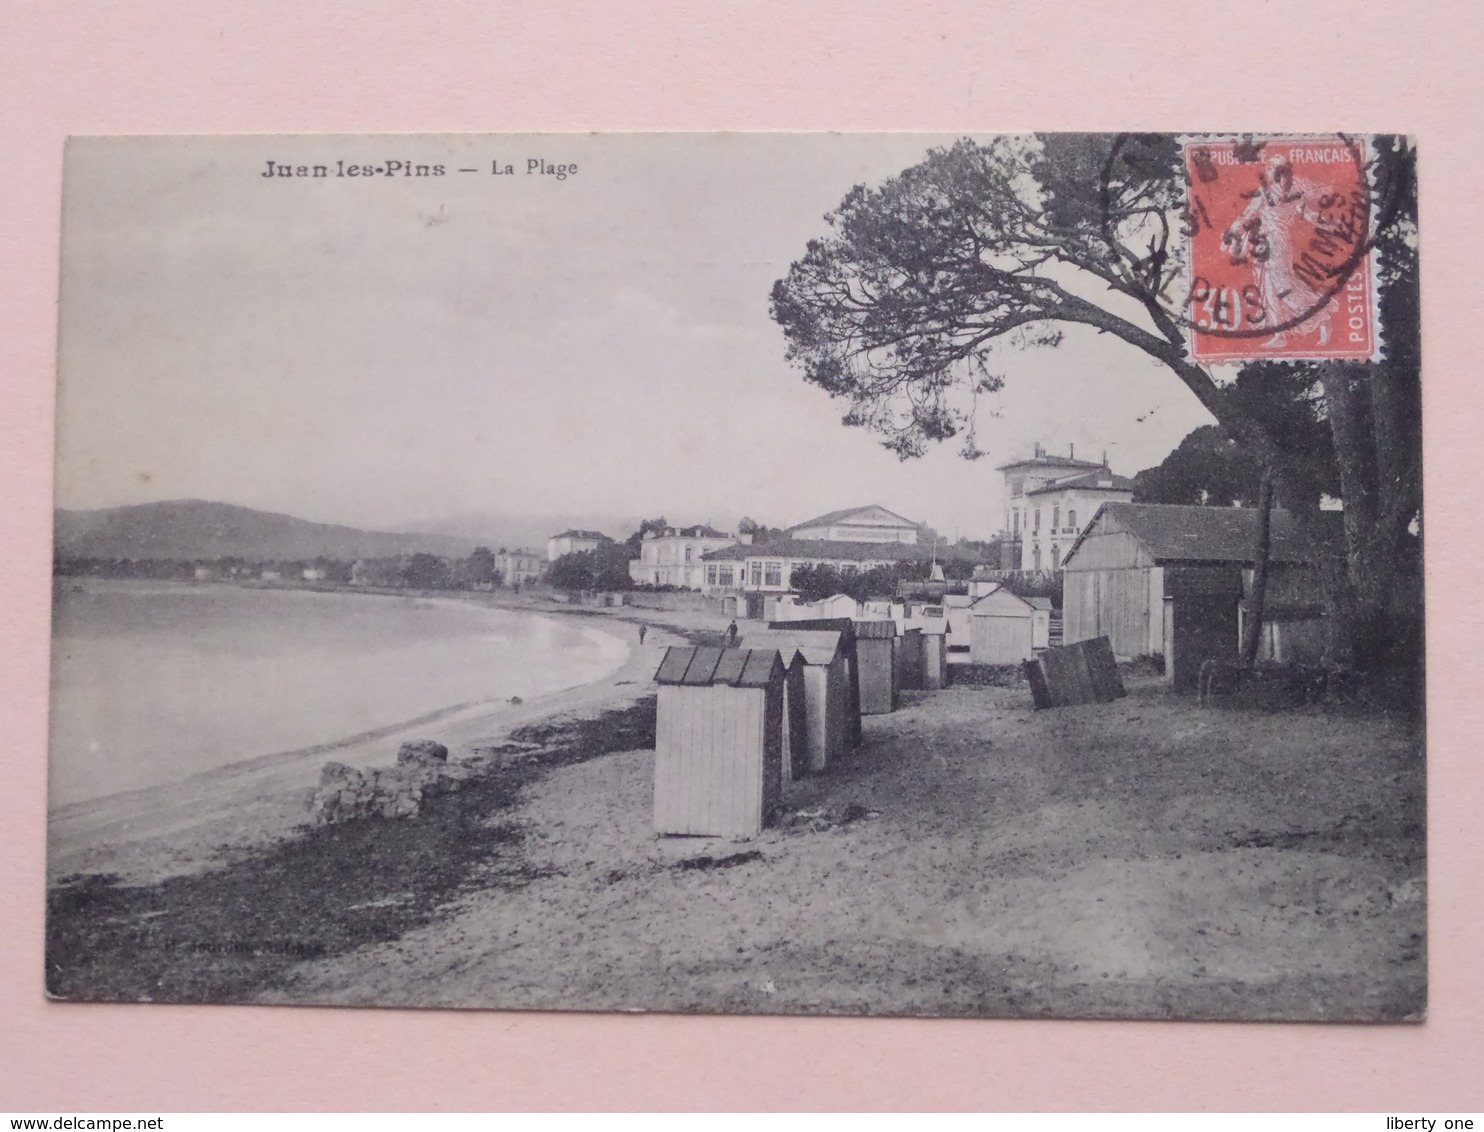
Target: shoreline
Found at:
217, 815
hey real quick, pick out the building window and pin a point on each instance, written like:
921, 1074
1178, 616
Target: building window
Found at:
724, 575
774, 574
1017, 522
1056, 516
1017, 485
755, 569
1056, 558
687, 553
1038, 520
1072, 519
1035, 558
711, 575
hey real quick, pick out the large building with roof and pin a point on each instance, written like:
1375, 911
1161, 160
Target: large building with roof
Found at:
758, 571
872, 523
673, 556
1049, 500
1176, 580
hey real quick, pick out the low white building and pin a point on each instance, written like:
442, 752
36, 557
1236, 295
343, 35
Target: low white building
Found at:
672, 557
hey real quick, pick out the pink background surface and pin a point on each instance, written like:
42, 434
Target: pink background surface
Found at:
148, 66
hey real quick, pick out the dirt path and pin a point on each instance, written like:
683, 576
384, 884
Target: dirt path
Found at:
1138, 859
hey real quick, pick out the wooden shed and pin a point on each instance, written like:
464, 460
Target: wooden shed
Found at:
719, 741
1001, 629
875, 649
817, 655
1161, 578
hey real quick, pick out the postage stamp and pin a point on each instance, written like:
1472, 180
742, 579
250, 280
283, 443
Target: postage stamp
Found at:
1280, 264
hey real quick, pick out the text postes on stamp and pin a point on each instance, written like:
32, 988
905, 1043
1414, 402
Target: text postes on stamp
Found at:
1280, 265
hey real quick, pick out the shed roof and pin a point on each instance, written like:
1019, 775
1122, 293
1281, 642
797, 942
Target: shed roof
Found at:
1002, 600
816, 646
701, 666
875, 630
1178, 533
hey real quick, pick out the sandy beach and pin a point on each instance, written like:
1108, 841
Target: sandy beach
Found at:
1143, 858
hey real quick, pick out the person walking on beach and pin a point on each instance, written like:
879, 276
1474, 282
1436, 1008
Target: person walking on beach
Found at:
732, 635
642, 630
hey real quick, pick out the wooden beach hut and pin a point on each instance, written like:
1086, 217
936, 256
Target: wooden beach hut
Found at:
1001, 629
934, 634
956, 609
818, 657
846, 628
909, 657
1040, 622
719, 741
875, 650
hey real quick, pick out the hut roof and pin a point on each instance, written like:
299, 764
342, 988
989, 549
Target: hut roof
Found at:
816, 646
741, 668
1001, 600
875, 630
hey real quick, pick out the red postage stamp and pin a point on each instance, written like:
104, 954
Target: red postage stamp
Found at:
1280, 264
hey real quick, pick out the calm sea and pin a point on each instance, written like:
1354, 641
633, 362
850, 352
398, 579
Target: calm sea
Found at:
152, 682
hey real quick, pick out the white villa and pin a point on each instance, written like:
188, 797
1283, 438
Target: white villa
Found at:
573, 542
672, 557
1049, 500
518, 567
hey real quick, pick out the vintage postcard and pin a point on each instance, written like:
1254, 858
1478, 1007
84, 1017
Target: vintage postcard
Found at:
882, 574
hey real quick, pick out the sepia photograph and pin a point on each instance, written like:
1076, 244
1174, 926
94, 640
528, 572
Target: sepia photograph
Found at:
962, 575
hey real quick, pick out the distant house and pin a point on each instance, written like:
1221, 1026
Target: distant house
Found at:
313, 574
872, 523
573, 542
1051, 499
1175, 580
673, 556
518, 567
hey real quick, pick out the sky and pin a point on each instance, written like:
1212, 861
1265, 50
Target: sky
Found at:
389, 351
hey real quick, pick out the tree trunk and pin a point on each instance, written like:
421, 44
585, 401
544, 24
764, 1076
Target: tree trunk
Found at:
1252, 623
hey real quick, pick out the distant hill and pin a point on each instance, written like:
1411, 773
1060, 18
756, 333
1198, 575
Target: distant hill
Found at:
195, 529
